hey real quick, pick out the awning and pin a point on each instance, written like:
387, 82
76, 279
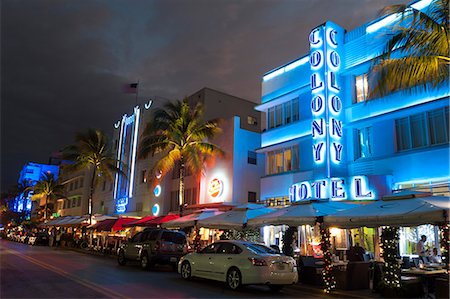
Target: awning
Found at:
139, 221
191, 219
412, 211
158, 220
111, 224
301, 213
236, 218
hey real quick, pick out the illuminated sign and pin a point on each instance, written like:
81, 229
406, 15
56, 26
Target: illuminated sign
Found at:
155, 209
215, 188
356, 188
326, 105
157, 190
126, 155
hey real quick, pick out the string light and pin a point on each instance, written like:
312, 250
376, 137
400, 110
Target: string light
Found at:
327, 272
391, 267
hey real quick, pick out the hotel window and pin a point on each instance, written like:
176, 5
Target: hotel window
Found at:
71, 186
278, 115
423, 129
76, 185
364, 143
271, 118
295, 110
282, 160
362, 87
287, 113
251, 196
251, 158
81, 182
279, 161
144, 176
79, 201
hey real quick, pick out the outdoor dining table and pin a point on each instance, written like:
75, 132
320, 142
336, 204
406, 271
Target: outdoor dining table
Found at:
427, 276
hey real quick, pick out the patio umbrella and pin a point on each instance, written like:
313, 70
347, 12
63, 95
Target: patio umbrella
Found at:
236, 218
411, 211
301, 213
157, 221
191, 219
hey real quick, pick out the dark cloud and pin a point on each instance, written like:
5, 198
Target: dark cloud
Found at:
64, 62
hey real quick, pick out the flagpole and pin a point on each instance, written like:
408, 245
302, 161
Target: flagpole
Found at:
137, 92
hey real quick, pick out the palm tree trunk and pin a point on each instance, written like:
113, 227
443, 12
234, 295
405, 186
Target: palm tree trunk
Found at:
91, 194
181, 194
45, 209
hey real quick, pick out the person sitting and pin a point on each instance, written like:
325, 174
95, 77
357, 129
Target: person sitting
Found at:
356, 253
435, 258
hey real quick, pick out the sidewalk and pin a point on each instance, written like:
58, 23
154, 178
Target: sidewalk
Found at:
336, 293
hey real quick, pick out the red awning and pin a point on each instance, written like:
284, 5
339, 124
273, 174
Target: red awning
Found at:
138, 222
158, 220
112, 224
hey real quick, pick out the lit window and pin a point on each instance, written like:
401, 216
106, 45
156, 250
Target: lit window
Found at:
144, 176
271, 118
287, 160
279, 115
251, 196
279, 161
252, 120
362, 88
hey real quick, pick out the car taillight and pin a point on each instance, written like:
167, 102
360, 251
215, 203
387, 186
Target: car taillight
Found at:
257, 262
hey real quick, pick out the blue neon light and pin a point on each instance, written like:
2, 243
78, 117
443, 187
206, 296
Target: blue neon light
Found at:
287, 68
157, 190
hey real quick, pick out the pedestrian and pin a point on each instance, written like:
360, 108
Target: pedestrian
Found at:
58, 238
51, 238
420, 247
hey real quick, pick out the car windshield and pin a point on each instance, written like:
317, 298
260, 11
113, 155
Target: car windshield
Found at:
259, 249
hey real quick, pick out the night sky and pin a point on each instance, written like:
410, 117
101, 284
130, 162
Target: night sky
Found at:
63, 63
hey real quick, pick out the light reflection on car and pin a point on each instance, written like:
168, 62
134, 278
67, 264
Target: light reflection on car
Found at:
240, 263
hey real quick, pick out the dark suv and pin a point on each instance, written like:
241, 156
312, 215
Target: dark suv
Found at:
154, 246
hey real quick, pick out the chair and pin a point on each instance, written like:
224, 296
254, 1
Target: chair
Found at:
356, 276
406, 262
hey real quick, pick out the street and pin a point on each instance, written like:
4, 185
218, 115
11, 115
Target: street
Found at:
43, 272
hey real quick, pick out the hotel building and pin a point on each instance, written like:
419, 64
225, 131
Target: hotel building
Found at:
324, 140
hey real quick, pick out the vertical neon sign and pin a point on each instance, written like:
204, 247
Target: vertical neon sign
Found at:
126, 154
326, 43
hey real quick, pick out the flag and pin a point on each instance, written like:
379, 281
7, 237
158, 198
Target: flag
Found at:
130, 88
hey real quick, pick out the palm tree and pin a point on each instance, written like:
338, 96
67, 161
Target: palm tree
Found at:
92, 151
417, 54
181, 135
49, 188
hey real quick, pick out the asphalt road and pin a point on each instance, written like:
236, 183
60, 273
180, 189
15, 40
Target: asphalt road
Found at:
42, 272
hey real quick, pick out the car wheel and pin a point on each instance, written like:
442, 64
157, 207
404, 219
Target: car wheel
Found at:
275, 287
121, 258
186, 271
145, 264
234, 278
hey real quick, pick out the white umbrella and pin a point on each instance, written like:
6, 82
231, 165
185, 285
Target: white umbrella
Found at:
390, 211
301, 213
191, 219
236, 218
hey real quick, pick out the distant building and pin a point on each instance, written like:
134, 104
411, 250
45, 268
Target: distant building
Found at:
30, 174
236, 175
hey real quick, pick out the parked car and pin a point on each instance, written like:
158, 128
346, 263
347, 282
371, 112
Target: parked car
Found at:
240, 263
41, 238
154, 246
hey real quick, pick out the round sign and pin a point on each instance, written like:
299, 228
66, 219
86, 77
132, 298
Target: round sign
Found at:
215, 188
157, 190
155, 210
